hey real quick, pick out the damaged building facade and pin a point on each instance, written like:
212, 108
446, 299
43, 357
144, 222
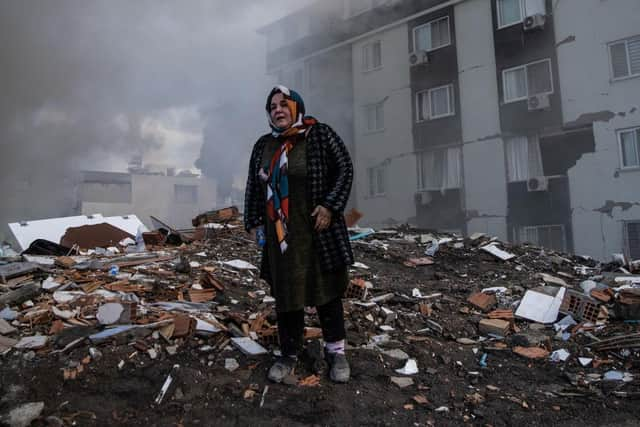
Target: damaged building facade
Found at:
172, 198
510, 117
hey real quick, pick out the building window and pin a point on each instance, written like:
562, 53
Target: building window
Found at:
521, 82
435, 103
524, 160
374, 117
432, 35
632, 236
512, 12
629, 147
545, 236
186, 193
625, 58
372, 56
377, 180
440, 169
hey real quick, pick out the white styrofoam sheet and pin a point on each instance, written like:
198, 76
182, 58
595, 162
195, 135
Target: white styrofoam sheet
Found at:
539, 307
53, 229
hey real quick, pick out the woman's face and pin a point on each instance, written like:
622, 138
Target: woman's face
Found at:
279, 111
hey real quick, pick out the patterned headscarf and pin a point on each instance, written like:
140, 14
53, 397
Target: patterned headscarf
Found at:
276, 176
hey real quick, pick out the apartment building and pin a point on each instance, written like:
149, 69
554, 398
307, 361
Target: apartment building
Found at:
516, 118
173, 199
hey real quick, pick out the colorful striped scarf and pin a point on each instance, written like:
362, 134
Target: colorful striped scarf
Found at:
277, 175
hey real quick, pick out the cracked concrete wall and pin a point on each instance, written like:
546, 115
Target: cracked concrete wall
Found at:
602, 195
394, 145
485, 185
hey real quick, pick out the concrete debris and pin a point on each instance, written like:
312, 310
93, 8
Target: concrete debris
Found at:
6, 328
109, 313
231, 364
248, 346
494, 250
396, 353
240, 264
402, 382
476, 307
32, 343
24, 415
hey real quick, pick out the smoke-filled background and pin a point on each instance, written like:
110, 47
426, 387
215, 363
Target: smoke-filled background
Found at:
89, 84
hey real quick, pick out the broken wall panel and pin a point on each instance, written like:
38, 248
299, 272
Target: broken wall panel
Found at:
443, 211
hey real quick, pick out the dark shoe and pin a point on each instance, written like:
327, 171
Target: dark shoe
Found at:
281, 368
340, 371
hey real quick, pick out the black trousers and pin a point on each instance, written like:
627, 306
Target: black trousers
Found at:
291, 326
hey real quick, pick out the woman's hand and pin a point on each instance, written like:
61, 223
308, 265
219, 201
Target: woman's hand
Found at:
323, 218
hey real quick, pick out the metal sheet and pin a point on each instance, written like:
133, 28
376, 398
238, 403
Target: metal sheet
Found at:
53, 229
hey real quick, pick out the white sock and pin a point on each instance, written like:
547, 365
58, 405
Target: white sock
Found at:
335, 347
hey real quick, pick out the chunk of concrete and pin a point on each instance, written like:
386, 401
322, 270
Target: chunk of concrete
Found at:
24, 415
248, 346
6, 328
402, 382
396, 353
32, 343
109, 313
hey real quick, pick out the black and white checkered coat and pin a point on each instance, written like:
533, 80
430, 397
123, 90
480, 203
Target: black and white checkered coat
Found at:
329, 180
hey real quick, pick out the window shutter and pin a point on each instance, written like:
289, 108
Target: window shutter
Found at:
634, 55
619, 63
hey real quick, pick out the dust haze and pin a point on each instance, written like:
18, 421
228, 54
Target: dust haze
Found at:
89, 84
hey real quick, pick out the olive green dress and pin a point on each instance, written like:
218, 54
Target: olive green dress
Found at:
297, 279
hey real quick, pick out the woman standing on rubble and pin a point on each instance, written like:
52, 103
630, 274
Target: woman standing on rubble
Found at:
300, 177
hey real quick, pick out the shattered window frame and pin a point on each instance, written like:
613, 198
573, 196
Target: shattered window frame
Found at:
525, 67
635, 143
525, 232
632, 61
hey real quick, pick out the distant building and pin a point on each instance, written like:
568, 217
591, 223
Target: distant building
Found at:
518, 118
173, 199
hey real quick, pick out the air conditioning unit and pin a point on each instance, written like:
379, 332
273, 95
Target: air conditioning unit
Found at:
538, 183
422, 198
538, 102
534, 22
419, 57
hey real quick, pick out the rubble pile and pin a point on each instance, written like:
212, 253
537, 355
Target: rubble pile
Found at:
439, 318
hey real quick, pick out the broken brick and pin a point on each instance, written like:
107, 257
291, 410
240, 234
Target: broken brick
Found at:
531, 352
201, 295
504, 314
482, 301
494, 326
183, 326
